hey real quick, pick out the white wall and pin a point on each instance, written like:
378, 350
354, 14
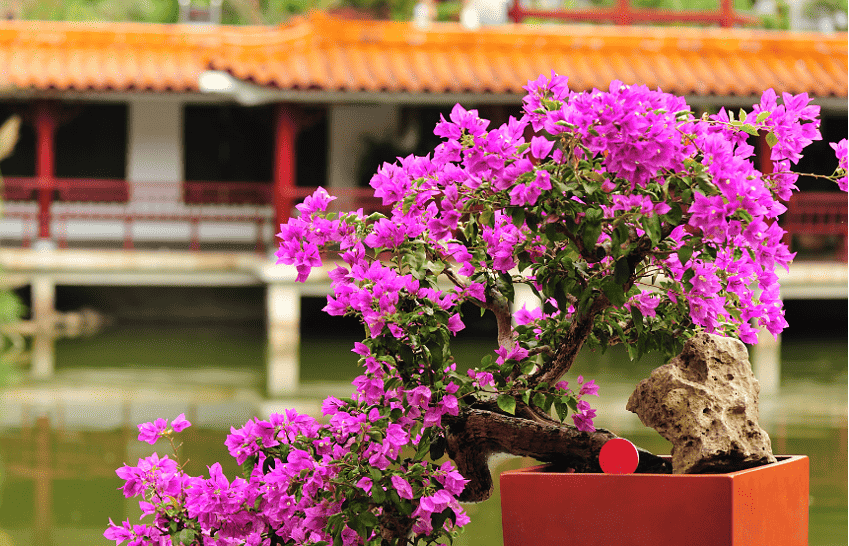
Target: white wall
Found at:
349, 124
155, 150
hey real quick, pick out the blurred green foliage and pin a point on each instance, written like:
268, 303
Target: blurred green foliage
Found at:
11, 307
269, 12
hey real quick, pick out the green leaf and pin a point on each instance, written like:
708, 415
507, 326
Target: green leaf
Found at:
552, 233
437, 448
507, 403
368, 519
416, 259
378, 495
434, 267
532, 222
652, 226
771, 139
593, 215
424, 444
591, 232
762, 116
684, 254
750, 129
438, 520
561, 295
486, 217
504, 283
486, 361
539, 400
550, 105
637, 317
518, 215
591, 186
436, 351
674, 215
622, 271
187, 536
561, 409
743, 115
248, 466
614, 292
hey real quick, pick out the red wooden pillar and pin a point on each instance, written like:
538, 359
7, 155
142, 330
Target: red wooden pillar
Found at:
726, 18
623, 16
515, 12
45, 131
764, 152
285, 132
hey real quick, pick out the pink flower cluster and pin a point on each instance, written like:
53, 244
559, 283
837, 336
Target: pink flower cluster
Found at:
299, 480
151, 432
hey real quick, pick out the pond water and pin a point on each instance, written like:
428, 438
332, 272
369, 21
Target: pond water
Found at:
66, 496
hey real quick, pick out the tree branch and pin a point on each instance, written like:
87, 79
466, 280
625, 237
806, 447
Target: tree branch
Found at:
476, 434
570, 346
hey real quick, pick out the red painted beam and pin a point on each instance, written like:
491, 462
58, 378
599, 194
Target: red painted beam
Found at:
45, 130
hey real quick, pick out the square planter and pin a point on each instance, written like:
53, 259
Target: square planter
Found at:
763, 506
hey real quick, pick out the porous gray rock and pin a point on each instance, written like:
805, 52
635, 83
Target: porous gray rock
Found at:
705, 401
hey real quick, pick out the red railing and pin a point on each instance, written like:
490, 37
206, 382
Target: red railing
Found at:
189, 202
67, 189
818, 214
227, 193
808, 214
624, 14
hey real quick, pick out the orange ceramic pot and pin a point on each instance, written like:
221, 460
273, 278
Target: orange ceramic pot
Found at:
763, 506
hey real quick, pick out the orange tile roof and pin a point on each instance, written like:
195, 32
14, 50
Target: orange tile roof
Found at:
326, 54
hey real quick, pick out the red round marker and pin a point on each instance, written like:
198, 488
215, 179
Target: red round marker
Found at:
618, 456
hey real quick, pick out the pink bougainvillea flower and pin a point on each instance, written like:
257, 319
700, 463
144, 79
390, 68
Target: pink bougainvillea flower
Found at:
402, 486
151, 432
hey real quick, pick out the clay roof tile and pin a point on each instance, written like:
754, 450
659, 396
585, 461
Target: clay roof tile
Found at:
326, 54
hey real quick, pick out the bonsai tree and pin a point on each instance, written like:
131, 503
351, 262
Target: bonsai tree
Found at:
631, 221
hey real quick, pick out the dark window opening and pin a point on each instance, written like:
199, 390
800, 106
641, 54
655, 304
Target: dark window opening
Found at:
819, 157
311, 152
419, 119
229, 143
815, 319
22, 160
91, 141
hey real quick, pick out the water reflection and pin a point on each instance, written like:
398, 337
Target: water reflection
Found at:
59, 485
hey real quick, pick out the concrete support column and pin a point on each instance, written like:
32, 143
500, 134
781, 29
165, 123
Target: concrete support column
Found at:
43, 295
766, 362
283, 305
